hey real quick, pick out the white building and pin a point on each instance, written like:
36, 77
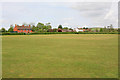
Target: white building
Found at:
78, 30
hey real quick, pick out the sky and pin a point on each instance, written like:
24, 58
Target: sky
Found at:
68, 14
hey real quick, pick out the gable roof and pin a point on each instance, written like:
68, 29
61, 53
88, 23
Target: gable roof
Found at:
23, 27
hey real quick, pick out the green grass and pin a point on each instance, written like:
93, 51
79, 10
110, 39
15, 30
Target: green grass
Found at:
60, 56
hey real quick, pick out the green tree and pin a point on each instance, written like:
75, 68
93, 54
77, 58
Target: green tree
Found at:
101, 29
11, 28
3, 30
105, 29
70, 29
40, 30
96, 29
111, 28
45, 27
48, 25
55, 30
40, 25
34, 28
60, 26
84, 28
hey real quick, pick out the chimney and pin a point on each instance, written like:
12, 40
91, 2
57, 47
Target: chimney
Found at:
15, 25
29, 25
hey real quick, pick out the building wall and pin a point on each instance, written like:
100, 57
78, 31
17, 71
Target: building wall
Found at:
19, 31
15, 28
24, 31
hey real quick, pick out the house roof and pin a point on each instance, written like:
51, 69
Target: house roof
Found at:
25, 27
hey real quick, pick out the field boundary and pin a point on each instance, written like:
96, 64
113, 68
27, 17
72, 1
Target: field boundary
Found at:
36, 33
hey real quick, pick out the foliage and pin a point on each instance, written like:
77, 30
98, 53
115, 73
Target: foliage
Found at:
70, 29
101, 29
3, 30
48, 26
83, 27
55, 30
44, 32
10, 29
8, 33
60, 26
40, 25
34, 28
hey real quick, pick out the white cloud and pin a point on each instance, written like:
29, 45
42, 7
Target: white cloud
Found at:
113, 12
92, 9
102, 13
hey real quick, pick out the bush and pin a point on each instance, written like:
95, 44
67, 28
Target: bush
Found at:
8, 33
35, 33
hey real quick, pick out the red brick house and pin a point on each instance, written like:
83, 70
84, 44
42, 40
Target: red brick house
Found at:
22, 29
59, 30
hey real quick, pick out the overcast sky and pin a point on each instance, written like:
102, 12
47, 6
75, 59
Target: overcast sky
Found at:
68, 14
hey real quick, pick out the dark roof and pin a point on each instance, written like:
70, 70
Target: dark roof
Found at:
25, 27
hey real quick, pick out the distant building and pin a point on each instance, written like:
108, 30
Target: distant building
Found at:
79, 30
22, 29
59, 30
82, 29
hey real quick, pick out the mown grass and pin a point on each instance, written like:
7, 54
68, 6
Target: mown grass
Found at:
60, 56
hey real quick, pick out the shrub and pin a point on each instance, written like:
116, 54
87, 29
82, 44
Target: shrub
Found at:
35, 33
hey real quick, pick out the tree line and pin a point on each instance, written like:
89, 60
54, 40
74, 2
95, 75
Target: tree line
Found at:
40, 27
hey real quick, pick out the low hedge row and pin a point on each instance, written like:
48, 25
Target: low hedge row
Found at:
76, 33
8, 33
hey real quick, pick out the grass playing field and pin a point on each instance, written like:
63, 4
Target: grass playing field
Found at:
60, 56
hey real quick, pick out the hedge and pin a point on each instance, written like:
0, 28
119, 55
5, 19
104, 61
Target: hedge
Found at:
8, 33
